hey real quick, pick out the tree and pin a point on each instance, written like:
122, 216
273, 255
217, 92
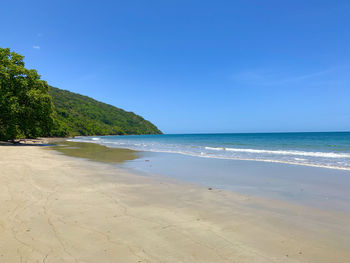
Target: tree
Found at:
26, 109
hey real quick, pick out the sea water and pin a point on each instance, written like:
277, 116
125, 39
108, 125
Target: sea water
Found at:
320, 149
307, 168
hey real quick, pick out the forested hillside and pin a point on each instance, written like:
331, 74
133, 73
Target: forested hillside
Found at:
76, 114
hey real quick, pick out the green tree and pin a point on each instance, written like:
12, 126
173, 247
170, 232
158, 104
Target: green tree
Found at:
26, 109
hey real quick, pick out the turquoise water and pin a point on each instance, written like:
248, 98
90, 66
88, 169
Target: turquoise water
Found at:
323, 149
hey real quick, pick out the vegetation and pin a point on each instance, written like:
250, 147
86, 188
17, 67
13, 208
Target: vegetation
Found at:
26, 109
29, 108
80, 115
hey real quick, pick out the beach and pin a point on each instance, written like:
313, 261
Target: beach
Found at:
56, 208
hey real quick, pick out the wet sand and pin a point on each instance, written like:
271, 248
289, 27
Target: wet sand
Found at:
56, 208
95, 152
327, 189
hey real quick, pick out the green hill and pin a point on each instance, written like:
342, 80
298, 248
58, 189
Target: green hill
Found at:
80, 115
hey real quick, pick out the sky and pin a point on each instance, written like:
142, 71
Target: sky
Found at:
195, 66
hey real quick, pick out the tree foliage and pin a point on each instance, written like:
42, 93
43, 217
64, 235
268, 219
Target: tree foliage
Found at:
80, 115
29, 108
26, 109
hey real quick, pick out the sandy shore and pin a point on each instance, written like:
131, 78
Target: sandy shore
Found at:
56, 208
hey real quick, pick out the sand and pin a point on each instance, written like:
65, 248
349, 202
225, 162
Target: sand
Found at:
55, 208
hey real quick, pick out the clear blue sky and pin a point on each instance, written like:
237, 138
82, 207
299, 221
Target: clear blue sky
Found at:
195, 66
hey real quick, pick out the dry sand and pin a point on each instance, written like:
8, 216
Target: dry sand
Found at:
55, 208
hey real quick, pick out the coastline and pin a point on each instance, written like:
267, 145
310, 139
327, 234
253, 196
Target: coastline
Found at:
320, 150
57, 208
322, 188
326, 189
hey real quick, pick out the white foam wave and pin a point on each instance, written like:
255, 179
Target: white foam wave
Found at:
279, 152
203, 155
300, 159
215, 148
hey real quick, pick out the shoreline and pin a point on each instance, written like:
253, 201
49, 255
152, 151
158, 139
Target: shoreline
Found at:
305, 185
44, 141
56, 208
311, 186
40, 141
210, 156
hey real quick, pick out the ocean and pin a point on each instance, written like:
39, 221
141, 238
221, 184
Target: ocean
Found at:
319, 149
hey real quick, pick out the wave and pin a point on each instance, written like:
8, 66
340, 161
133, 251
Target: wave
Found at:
280, 152
331, 160
328, 166
215, 148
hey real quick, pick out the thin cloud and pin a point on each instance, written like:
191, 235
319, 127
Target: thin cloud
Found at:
273, 78
36, 47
